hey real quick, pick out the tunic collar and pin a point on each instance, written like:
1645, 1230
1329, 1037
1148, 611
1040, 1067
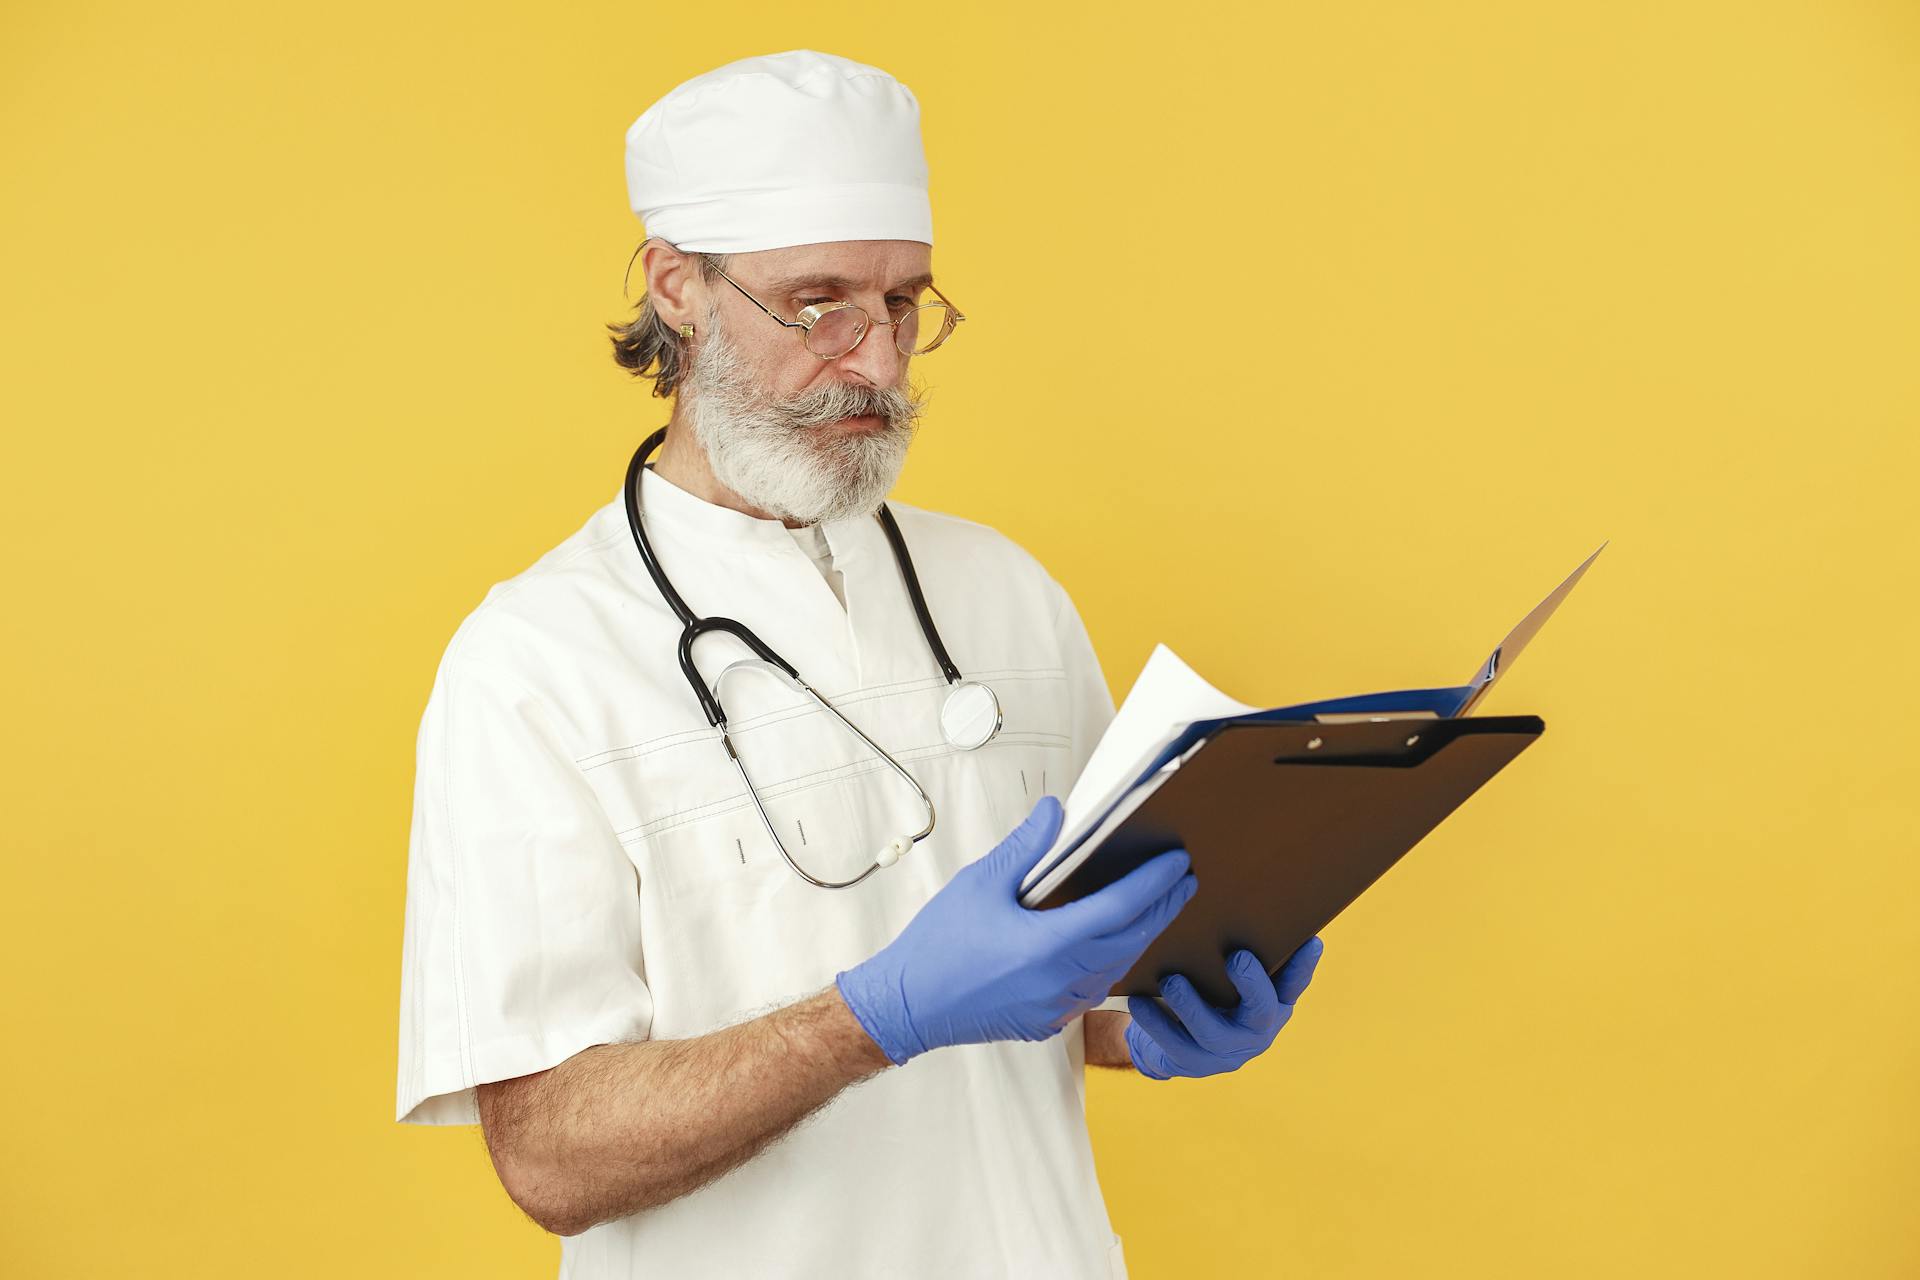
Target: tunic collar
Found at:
672, 512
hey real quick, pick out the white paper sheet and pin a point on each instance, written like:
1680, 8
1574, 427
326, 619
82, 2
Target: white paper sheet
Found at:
1167, 696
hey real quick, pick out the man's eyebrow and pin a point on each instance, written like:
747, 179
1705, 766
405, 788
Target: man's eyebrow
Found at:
795, 284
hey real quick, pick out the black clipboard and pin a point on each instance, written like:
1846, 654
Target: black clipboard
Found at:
1286, 823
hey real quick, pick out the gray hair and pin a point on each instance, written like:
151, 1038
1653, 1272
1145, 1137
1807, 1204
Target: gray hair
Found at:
647, 347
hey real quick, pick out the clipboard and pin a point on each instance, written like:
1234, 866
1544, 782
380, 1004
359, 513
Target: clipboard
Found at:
1286, 824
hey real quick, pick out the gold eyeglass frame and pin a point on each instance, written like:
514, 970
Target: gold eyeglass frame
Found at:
810, 315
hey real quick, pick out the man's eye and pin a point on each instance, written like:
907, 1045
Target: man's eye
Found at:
896, 302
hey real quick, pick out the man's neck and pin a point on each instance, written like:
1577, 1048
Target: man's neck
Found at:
682, 461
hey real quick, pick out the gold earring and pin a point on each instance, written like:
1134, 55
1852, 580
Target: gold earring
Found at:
686, 333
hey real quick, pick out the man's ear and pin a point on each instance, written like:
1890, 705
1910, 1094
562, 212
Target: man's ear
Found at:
673, 282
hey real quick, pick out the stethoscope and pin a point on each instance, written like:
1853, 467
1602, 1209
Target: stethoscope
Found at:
969, 718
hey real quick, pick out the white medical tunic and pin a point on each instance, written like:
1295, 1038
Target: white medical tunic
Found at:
586, 869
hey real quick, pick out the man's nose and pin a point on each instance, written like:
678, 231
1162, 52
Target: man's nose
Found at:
876, 358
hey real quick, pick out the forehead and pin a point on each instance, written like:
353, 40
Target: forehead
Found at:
854, 264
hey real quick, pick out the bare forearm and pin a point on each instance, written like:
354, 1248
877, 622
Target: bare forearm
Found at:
622, 1127
1106, 1038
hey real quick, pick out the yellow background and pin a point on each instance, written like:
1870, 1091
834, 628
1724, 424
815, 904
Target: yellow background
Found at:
1317, 341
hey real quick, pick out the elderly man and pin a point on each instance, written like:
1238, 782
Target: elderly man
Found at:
654, 923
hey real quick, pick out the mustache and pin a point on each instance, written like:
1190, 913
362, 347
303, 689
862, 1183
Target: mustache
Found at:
720, 373
831, 403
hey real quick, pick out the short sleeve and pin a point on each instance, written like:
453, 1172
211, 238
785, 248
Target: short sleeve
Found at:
1090, 702
522, 936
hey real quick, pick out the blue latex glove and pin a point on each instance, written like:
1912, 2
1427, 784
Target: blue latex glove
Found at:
1215, 1040
974, 965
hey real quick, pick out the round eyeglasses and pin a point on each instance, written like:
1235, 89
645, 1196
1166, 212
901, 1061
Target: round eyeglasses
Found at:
830, 330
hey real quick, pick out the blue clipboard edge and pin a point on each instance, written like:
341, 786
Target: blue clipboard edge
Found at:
1388, 750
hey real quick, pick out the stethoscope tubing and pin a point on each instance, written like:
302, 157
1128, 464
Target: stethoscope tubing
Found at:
693, 627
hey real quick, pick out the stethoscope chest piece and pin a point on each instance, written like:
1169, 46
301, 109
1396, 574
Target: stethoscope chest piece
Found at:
970, 716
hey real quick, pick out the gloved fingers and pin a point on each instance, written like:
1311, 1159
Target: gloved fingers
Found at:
1088, 992
1210, 1028
1115, 952
1109, 958
1298, 970
1011, 859
1149, 1059
1159, 1026
1260, 1009
1114, 907
1158, 914
1065, 1019
1118, 957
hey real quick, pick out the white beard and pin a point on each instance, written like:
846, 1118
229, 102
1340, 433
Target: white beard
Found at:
780, 456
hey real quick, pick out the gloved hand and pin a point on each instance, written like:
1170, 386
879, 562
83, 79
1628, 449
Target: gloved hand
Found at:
974, 965
1216, 1040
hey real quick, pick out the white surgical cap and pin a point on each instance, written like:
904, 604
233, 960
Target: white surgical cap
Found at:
783, 149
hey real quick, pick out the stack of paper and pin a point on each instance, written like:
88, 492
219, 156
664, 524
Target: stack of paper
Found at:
1170, 709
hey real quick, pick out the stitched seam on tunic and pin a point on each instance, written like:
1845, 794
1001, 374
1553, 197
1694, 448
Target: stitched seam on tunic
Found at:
684, 736
806, 782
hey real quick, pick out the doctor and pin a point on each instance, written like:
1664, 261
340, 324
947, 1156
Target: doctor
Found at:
623, 955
